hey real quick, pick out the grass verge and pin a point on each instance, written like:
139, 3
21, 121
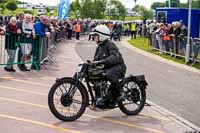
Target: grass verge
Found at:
142, 43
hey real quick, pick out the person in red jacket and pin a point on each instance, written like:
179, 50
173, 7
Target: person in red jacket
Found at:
10, 40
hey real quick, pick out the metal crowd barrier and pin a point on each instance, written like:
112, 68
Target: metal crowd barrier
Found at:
38, 51
176, 46
20, 49
196, 50
49, 47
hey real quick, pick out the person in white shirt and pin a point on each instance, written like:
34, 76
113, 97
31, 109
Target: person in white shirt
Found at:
26, 39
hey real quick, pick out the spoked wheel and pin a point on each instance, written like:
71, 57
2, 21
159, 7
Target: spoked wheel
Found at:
136, 98
66, 100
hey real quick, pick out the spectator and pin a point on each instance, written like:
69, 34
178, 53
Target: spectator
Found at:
150, 31
110, 25
183, 40
26, 39
19, 24
166, 38
69, 29
40, 26
54, 23
92, 26
2, 32
133, 30
160, 37
78, 30
157, 32
177, 31
126, 29
115, 32
10, 46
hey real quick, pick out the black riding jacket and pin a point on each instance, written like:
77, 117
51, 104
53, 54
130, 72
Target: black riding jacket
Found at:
108, 53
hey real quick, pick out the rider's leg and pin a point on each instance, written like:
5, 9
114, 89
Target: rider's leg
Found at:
113, 76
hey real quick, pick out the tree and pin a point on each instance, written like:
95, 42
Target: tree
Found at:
11, 5
175, 3
28, 11
185, 5
1, 1
98, 9
116, 10
48, 9
86, 9
157, 4
74, 6
89, 8
2, 8
195, 4
144, 12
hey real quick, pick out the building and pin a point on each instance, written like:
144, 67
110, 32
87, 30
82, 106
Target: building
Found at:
131, 13
31, 6
41, 8
170, 15
26, 6
41, 11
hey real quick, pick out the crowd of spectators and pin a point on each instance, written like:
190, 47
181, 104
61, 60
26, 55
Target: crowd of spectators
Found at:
168, 37
162, 36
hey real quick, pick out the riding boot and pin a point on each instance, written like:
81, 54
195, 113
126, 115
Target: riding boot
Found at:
119, 88
121, 96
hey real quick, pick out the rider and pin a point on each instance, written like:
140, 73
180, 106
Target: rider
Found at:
108, 54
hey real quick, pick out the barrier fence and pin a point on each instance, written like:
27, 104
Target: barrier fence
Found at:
20, 49
176, 45
24, 49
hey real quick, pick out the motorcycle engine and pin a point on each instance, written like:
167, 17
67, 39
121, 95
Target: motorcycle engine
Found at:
101, 89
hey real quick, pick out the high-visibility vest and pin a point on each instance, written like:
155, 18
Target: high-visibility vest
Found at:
78, 28
103, 25
133, 27
126, 26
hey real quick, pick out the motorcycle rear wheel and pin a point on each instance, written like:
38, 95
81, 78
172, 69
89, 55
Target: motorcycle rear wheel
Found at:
135, 96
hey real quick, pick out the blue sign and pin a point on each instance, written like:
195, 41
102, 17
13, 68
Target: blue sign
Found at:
63, 9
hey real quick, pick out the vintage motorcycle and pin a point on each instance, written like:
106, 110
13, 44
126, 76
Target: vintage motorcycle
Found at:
69, 96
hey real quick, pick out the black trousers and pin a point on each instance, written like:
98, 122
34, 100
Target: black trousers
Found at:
133, 33
126, 33
114, 36
69, 34
91, 36
113, 74
77, 35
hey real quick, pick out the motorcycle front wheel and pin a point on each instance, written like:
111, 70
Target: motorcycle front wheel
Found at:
136, 98
64, 105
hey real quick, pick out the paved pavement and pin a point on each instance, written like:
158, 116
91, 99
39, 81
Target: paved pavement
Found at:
23, 99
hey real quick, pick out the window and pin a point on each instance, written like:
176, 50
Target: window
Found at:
162, 16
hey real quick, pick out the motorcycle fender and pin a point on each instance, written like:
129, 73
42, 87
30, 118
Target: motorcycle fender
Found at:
140, 79
81, 84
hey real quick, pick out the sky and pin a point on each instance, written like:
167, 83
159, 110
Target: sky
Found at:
127, 3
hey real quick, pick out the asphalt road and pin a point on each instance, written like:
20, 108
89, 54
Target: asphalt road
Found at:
171, 87
24, 107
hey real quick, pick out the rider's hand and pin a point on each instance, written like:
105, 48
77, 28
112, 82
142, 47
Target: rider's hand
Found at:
95, 63
89, 61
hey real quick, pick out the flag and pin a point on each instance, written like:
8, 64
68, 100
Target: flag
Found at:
63, 9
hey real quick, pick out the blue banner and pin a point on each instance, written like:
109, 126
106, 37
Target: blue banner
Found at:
63, 9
